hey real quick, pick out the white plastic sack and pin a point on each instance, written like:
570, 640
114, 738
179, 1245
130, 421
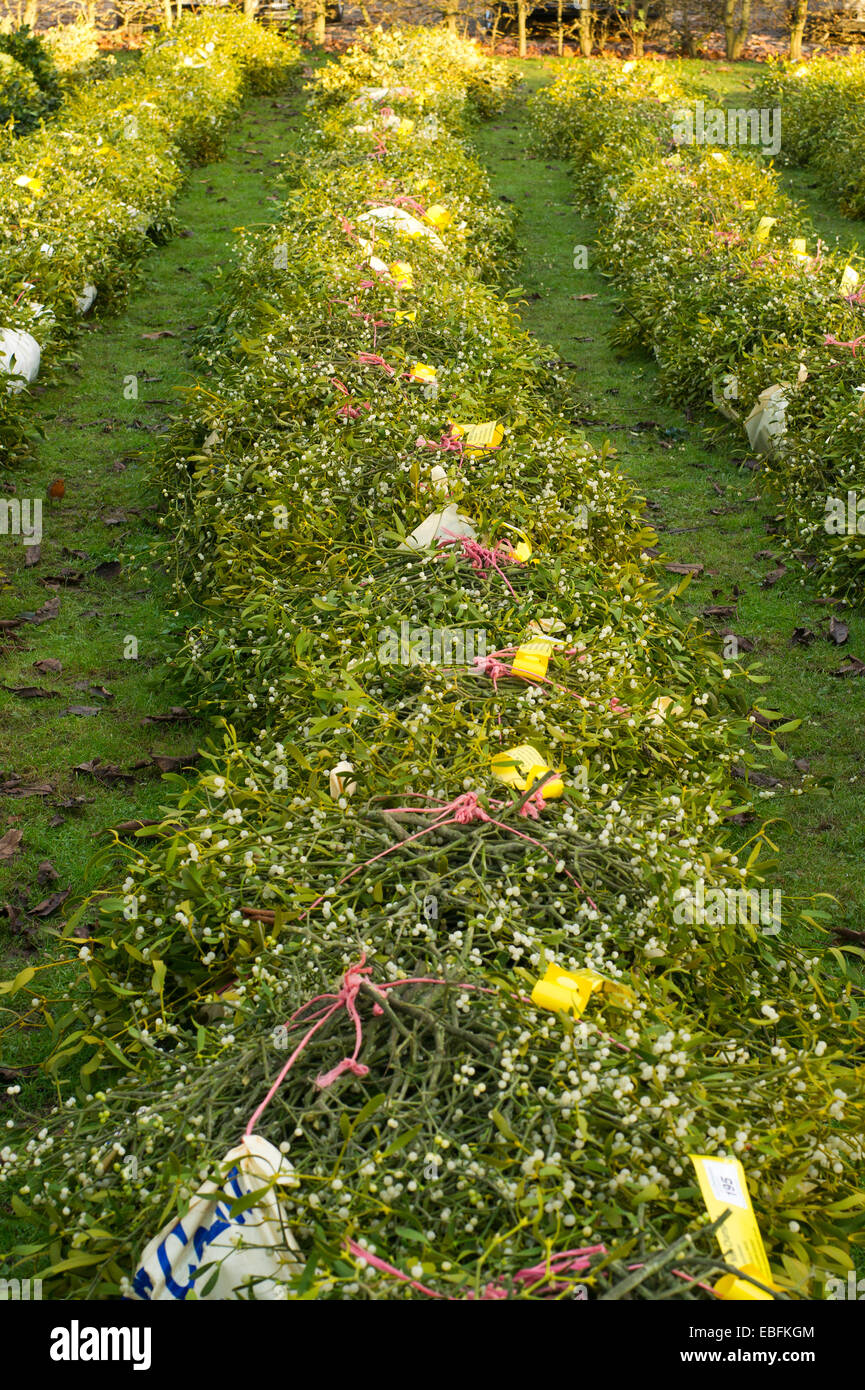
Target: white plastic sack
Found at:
445, 524
402, 221
767, 423
84, 300
249, 1256
27, 355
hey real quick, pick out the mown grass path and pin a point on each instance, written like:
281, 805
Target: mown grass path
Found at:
114, 628
707, 507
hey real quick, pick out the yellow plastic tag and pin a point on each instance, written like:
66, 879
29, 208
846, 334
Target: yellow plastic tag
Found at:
564, 991
849, 280
406, 125
723, 1185
479, 437
749, 204
532, 659
402, 274
405, 316
439, 217
419, 371
764, 227
798, 246
522, 767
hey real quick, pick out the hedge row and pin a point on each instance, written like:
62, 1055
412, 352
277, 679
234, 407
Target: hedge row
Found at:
352, 809
722, 278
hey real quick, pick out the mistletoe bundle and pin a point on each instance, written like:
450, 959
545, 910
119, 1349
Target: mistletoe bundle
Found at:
824, 122
726, 283
430, 921
82, 195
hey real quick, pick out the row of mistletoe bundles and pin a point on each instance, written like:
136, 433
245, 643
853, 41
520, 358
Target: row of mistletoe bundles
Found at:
721, 276
442, 968
84, 196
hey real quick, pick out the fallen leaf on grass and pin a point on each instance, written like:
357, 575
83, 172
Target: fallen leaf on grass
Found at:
46, 873
585, 296
83, 710
44, 614
48, 666
32, 556
15, 787
838, 631
802, 637
105, 772
171, 764
744, 644
681, 567
50, 904
720, 610
63, 577
773, 576
161, 332
32, 692
757, 779
109, 569
175, 714
853, 667
10, 843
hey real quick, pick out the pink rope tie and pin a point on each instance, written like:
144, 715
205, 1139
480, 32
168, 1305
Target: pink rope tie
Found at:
372, 359
481, 557
405, 200
569, 1261
351, 412
345, 998
831, 341
462, 811
447, 444
348, 228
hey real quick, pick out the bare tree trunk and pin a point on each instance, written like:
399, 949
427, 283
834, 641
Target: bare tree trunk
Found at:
450, 12
495, 32
797, 28
31, 13
560, 31
249, 8
736, 27
586, 28
522, 11
319, 22
169, 16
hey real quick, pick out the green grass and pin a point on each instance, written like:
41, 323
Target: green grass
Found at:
706, 508
104, 446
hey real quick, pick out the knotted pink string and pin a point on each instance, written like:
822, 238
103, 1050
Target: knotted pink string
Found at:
351, 412
405, 200
447, 444
481, 557
831, 341
462, 811
345, 998
372, 359
576, 1261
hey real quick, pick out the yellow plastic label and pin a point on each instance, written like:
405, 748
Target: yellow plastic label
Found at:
764, 227
565, 991
477, 438
724, 1187
532, 659
405, 316
522, 767
849, 280
402, 274
799, 246
419, 371
439, 217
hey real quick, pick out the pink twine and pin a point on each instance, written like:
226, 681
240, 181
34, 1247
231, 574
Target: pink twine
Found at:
348, 228
576, 1261
831, 341
481, 557
462, 811
345, 998
372, 359
403, 199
